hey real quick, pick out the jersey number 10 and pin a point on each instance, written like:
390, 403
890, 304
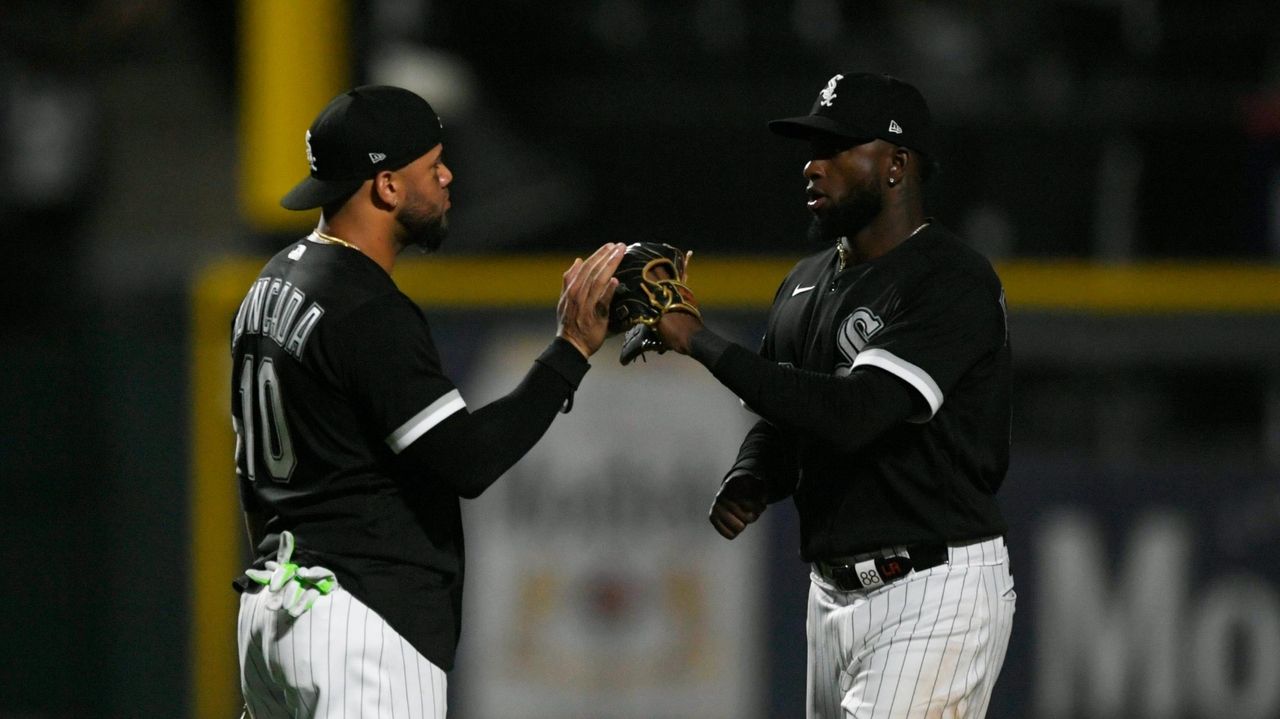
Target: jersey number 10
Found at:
277, 446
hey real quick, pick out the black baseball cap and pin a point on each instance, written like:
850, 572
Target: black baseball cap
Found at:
357, 135
865, 106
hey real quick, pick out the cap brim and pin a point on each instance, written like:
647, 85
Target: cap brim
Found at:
312, 193
807, 126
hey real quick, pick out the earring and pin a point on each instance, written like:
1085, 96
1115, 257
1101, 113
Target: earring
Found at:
891, 181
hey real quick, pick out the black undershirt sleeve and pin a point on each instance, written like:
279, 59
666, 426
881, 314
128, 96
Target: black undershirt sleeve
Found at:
845, 412
470, 450
770, 457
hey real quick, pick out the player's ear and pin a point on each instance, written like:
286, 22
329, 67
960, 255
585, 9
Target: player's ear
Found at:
388, 188
899, 160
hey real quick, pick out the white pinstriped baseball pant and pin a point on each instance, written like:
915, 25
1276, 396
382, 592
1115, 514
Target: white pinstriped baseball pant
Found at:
339, 659
928, 646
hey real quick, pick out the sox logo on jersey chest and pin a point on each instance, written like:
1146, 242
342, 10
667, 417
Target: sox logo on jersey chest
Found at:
854, 334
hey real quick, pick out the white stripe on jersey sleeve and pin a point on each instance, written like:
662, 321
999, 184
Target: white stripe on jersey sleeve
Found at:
907, 372
435, 413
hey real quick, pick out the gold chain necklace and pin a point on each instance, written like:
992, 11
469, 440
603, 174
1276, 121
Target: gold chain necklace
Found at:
319, 236
843, 251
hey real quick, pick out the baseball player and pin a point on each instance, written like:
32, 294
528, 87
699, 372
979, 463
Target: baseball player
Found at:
883, 388
353, 446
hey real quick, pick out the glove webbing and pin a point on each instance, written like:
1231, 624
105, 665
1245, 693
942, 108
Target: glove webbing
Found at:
675, 297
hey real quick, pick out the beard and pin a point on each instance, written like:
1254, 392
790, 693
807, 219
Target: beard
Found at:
849, 217
423, 228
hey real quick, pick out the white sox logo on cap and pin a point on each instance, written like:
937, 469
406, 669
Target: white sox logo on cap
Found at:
398, 122
829, 92
311, 156
870, 107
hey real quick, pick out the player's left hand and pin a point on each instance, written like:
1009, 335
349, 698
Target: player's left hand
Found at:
677, 329
294, 589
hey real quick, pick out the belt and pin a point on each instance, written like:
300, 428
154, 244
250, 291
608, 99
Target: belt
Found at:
848, 574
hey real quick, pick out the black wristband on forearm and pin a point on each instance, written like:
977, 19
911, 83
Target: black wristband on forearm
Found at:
708, 347
565, 360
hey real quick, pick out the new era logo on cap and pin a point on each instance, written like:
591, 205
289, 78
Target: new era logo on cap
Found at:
894, 127
376, 157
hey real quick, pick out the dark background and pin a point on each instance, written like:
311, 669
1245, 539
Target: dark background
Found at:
1103, 131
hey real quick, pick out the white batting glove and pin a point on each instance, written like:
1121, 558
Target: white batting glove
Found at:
308, 585
294, 589
280, 570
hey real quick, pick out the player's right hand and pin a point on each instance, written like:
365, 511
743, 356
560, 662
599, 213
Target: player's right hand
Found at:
583, 310
740, 501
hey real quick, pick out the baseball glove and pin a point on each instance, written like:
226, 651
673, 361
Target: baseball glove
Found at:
651, 283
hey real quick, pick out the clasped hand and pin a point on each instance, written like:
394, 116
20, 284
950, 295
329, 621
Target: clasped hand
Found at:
294, 589
582, 313
740, 501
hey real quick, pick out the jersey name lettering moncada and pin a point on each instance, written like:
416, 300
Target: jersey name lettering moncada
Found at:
272, 309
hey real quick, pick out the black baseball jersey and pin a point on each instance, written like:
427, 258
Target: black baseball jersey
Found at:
930, 312
335, 372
